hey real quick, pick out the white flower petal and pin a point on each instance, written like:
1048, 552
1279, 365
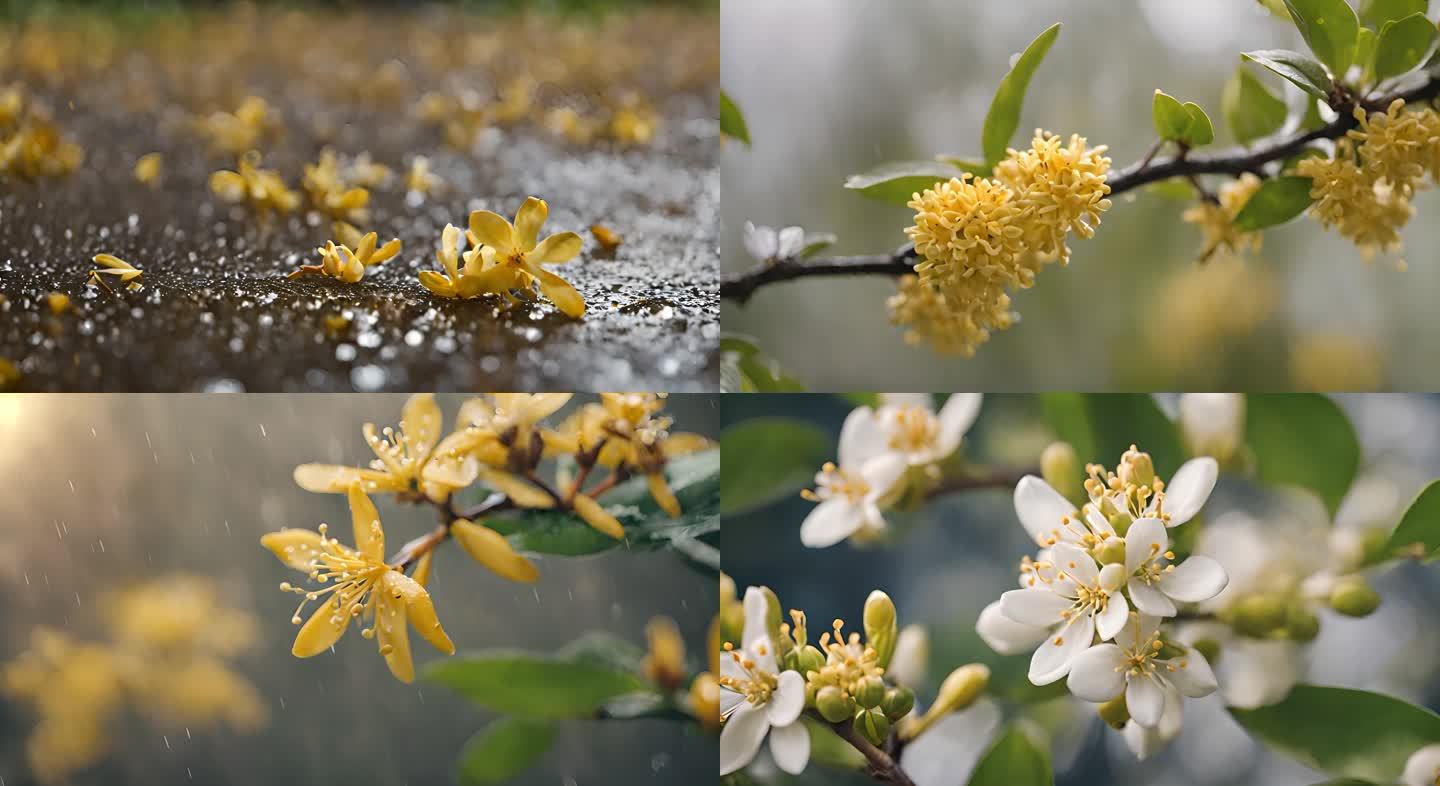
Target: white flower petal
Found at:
1113, 577
1041, 509
946, 754
831, 522
788, 700
757, 625
881, 472
1006, 636
761, 242
1098, 523
1075, 563
1258, 673
1191, 674
1052, 660
1189, 488
1423, 767
1194, 580
1034, 606
1149, 600
1145, 540
790, 747
1098, 673
1146, 742
1145, 698
790, 242
729, 700
1111, 621
956, 417
912, 656
862, 437
740, 739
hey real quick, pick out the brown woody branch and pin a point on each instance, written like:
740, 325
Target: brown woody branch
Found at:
881, 765
1150, 169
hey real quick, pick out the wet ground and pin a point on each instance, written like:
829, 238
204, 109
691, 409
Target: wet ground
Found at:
216, 311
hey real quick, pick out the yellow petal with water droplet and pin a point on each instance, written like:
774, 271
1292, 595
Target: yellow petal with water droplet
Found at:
421, 421
420, 610
324, 628
520, 491
392, 635
369, 535
335, 479
491, 549
294, 547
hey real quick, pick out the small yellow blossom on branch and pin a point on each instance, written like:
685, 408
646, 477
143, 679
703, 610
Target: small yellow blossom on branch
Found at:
1217, 219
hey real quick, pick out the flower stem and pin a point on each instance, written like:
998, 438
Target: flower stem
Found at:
882, 767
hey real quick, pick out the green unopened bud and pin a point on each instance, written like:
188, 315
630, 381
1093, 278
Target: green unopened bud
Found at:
880, 627
1375, 545
1258, 615
870, 692
1111, 552
1210, 648
1136, 467
1354, 597
898, 702
1061, 469
833, 705
1115, 712
873, 726
811, 659
961, 689
1120, 522
1301, 624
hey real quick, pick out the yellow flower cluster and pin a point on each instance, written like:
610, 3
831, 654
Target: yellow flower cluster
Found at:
170, 640
263, 189
346, 264
1205, 310
235, 133
31, 144
979, 237
1337, 362
1364, 189
1217, 219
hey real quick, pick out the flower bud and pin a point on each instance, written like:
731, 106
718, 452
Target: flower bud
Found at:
961, 689
833, 705
880, 626
705, 700
1301, 624
1120, 522
774, 617
1060, 467
1111, 552
1136, 468
1354, 597
810, 659
873, 726
870, 692
1258, 615
1115, 712
898, 702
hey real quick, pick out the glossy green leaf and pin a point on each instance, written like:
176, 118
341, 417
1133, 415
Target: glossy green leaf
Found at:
1102, 426
1375, 13
862, 399
966, 164
732, 120
767, 459
504, 749
1403, 45
745, 369
1365, 52
1169, 117
604, 649
1004, 115
899, 181
1330, 28
1016, 759
815, 242
695, 480
1277, 201
533, 685
1251, 111
1200, 130
1302, 439
1346, 733
1304, 72
1418, 533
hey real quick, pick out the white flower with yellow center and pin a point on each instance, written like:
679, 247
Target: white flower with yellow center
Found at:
768, 245
759, 700
850, 494
913, 429
1423, 767
1074, 599
1134, 666
1154, 583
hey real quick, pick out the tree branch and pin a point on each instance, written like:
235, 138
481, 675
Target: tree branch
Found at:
882, 767
1150, 169
986, 478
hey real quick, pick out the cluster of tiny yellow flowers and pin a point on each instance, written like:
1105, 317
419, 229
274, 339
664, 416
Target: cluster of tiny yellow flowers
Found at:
1336, 362
31, 144
499, 441
1364, 190
167, 659
1205, 310
978, 237
1216, 219
235, 133
264, 190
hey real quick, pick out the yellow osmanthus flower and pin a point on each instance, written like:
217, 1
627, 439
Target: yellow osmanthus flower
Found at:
456, 282
1398, 146
505, 433
37, 149
517, 252
263, 189
75, 688
1064, 185
664, 662
626, 432
148, 169
410, 460
366, 172
491, 549
330, 194
1207, 310
347, 265
921, 309
178, 614
357, 584
1336, 362
110, 265
59, 303
241, 130
1217, 221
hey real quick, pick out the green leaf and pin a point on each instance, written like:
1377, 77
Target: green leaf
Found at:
1200, 130
695, 479
504, 749
1278, 200
862, 399
1102, 426
1302, 439
1169, 116
603, 649
966, 164
767, 459
1330, 27
1305, 73
827, 748
1004, 115
732, 121
1346, 733
1015, 759
816, 242
1375, 13
1418, 533
533, 685
742, 361
1403, 45
898, 181
1365, 52
1251, 111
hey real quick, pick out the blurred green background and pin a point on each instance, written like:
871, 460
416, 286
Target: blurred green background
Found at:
834, 87
958, 553
98, 492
